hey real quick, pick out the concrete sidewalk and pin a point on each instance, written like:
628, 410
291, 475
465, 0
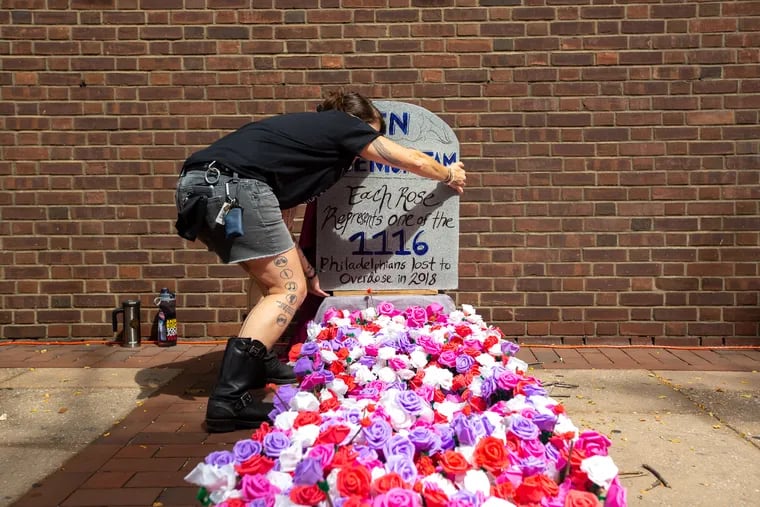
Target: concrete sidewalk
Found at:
98, 425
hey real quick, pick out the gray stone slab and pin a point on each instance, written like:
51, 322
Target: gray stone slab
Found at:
651, 423
732, 397
49, 415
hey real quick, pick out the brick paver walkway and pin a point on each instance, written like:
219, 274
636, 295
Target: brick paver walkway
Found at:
142, 460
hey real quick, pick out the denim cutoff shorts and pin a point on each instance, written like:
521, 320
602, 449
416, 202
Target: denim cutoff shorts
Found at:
264, 231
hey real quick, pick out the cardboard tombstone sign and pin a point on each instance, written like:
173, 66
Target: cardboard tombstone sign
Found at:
383, 228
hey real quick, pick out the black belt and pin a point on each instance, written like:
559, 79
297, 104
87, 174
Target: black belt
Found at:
212, 169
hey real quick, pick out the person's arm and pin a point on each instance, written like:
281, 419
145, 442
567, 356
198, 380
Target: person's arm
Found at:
385, 151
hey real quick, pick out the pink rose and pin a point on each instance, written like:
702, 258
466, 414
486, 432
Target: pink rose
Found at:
416, 316
448, 358
532, 448
433, 310
322, 453
397, 497
396, 363
330, 314
425, 392
429, 345
507, 380
387, 308
257, 486
593, 443
616, 495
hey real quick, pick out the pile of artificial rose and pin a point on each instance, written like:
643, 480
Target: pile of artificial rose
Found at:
412, 408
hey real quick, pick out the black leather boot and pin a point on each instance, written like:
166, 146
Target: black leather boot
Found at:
278, 372
230, 405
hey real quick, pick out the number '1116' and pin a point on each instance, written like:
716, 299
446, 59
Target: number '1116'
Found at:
418, 247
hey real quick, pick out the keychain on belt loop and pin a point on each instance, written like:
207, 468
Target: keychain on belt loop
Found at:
233, 218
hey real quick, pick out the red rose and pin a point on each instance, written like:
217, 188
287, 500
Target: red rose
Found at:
354, 481
260, 433
434, 497
306, 418
355, 501
337, 367
504, 490
329, 404
425, 465
344, 456
491, 454
256, 464
387, 482
577, 498
232, 502
453, 462
489, 342
534, 488
295, 352
307, 495
463, 330
333, 435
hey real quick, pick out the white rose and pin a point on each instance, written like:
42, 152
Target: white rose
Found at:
419, 359
515, 364
284, 420
338, 387
601, 470
328, 356
386, 353
304, 401
306, 435
280, 480
290, 457
441, 483
476, 481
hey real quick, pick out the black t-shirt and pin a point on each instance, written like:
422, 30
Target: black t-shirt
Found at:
300, 155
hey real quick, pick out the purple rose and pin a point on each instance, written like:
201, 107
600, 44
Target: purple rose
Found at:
309, 349
398, 445
464, 498
402, 465
523, 428
534, 390
416, 317
377, 433
274, 443
308, 472
423, 438
244, 449
410, 402
447, 436
464, 363
532, 465
488, 387
545, 422
467, 429
509, 348
303, 367
220, 458
367, 456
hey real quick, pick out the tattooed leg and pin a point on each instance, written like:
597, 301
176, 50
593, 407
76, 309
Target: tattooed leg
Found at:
285, 285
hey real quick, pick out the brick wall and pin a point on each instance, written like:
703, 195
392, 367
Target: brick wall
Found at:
612, 148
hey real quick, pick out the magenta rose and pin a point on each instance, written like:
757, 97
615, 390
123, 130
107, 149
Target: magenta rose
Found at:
429, 345
257, 486
397, 497
322, 453
433, 310
330, 314
448, 358
386, 308
616, 495
593, 443
416, 316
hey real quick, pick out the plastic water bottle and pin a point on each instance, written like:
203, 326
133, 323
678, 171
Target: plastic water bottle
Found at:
166, 321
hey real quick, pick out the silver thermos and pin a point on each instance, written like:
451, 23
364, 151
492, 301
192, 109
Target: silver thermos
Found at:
130, 335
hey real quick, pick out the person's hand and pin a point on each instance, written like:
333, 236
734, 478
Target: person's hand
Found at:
314, 287
458, 177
